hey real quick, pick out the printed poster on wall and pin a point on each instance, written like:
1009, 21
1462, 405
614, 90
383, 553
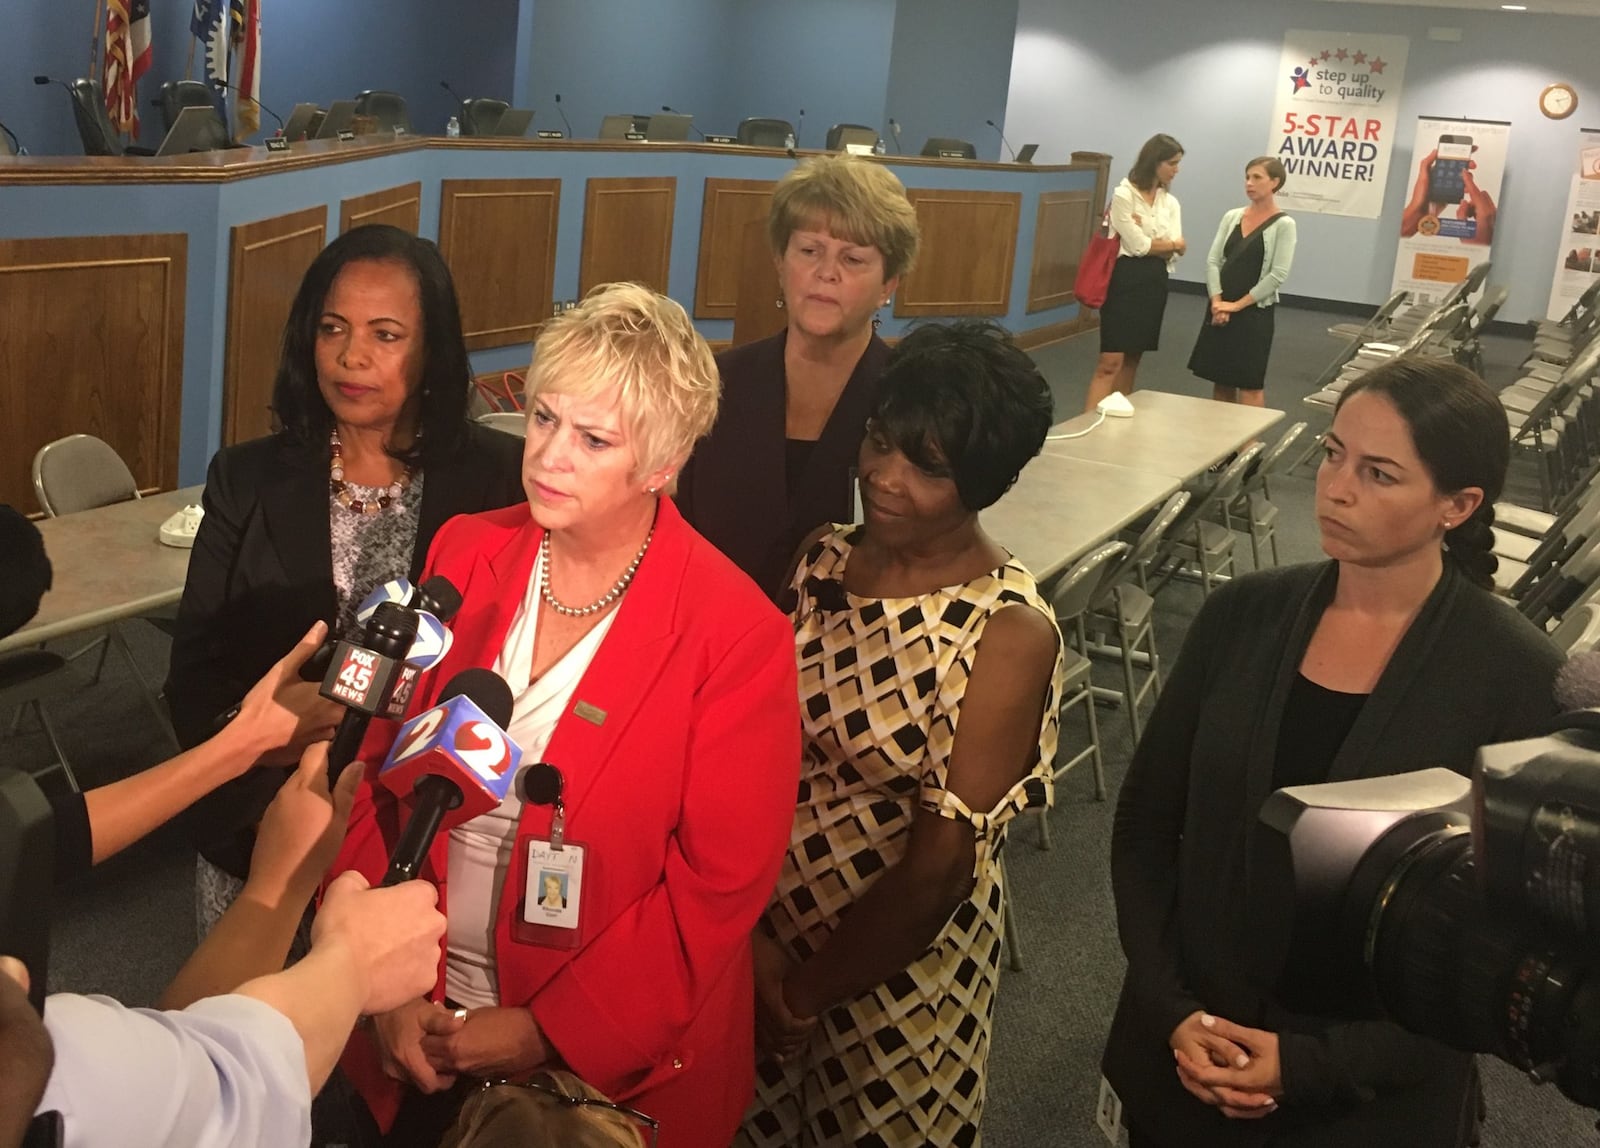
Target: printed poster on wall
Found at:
1578, 256
1449, 217
1335, 119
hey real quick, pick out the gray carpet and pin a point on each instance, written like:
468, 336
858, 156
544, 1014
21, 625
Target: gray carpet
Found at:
127, 928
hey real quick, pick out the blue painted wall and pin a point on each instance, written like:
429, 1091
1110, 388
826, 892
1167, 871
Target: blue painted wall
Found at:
317, 52
950, 70
830, 57
613, 56
1108, 83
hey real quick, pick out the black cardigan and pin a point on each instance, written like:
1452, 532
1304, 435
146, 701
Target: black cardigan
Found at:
733, 490
262, 571
1199, 916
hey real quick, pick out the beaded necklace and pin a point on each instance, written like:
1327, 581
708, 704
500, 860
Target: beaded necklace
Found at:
605, 599
341, 492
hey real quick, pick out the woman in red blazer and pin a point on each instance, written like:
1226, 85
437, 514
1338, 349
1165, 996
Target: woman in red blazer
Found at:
661, 683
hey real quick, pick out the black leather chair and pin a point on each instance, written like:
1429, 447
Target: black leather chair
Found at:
388, 108
179, 94
95, 129
479, 116
937, 144
841, 134
760, 132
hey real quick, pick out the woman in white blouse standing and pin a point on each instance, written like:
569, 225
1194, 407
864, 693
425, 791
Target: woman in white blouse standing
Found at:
1146, 218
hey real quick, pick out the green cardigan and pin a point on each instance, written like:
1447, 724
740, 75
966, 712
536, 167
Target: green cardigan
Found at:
1278, 242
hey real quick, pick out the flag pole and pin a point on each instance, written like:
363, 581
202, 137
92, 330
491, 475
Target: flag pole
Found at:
94, 35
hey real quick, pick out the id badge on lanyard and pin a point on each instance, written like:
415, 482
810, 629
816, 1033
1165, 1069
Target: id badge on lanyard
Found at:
550, 871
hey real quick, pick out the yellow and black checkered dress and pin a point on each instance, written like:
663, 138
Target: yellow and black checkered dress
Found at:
881, 682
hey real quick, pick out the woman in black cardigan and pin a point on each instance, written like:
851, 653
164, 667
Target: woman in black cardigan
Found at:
373, 453
1391, 658
780, 460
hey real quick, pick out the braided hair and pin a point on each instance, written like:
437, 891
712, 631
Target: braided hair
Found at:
1460, 432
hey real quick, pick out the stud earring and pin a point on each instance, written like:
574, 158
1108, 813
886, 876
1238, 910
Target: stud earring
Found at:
780, 303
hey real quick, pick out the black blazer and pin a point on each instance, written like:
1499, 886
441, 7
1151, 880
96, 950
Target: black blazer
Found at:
262, 571
734, 490
1202, 913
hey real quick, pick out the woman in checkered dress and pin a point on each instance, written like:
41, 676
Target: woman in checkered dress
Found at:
877, 961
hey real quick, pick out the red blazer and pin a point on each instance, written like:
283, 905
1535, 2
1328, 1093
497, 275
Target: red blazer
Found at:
684, 796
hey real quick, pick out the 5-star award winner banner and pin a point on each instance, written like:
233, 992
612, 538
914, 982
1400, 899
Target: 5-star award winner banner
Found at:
1334, 121
1448, 221
1578, 256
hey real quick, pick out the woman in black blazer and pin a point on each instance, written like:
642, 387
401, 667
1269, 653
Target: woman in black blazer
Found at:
779, 462
374, 452
1393, 657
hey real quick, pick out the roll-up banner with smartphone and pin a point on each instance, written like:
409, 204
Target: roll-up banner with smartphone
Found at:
1449, 218
1578, 256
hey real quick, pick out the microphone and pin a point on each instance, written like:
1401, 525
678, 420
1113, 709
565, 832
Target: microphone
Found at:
798, 124
894, 134
455, 759
1003, 139
676, 112
1578, 683
445, 84
360, 677
563, 115
221, 84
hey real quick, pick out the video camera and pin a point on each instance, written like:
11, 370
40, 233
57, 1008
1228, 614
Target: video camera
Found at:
1471, 907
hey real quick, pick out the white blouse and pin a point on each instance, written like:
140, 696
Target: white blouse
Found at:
1160, 220
480, 849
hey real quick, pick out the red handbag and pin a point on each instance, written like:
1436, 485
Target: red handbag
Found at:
1093, 280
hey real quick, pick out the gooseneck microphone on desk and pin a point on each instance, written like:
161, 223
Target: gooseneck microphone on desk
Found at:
445, 84
223, 85
562, 113
798, 124
894, 134
1002, 135
676, 112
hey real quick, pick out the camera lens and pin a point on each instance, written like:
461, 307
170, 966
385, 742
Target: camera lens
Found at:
1445, 967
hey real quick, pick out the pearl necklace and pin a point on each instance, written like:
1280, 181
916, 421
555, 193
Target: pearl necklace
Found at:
341, 492
605, 599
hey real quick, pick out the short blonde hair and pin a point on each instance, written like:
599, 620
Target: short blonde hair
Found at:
626, 336
856, 199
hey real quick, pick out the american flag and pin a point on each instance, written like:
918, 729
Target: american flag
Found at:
127, 58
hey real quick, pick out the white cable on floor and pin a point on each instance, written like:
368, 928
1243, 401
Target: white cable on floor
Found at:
1079, 434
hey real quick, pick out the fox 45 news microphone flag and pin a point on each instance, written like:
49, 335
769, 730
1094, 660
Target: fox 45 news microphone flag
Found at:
433, 640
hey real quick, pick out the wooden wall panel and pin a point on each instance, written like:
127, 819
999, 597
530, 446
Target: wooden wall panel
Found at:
627, 232
1061, 232
399, 206
969, 246
266, 261
499, 237
91, 341
730, 204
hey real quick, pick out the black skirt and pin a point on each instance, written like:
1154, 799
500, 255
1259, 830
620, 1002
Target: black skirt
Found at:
1235, 354
1135, 304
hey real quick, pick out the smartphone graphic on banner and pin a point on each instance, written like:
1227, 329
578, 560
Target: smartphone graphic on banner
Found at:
1447, 179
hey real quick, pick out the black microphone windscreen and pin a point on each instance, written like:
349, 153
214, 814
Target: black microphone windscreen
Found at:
1578, 683
444, 599
485, 689
41, 79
